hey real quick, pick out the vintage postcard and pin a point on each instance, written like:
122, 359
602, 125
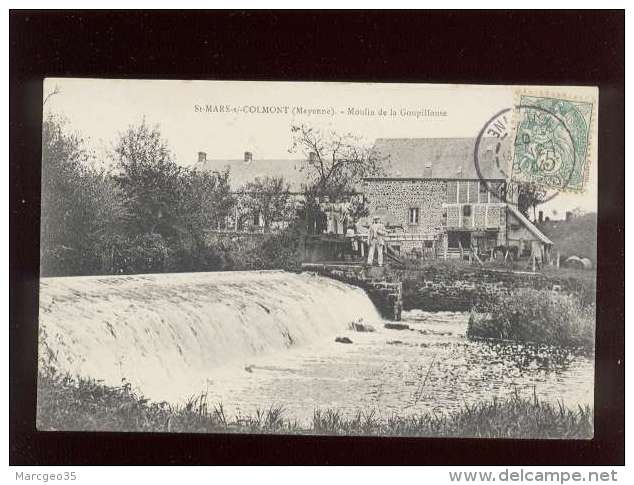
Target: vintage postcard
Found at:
318, 258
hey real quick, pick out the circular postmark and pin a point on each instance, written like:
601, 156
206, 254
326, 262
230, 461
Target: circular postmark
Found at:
523, 149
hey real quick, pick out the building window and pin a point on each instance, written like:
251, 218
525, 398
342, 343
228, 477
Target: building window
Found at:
497, 191
473, 192
459, 239
466, 210
463, 192
413, 215
484, 192
452, 192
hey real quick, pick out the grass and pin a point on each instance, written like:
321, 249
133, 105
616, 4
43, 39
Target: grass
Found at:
75, 404
537, 316
522, 265
573, 276
576, 237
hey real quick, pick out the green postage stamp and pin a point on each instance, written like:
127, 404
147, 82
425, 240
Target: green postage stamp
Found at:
552, 142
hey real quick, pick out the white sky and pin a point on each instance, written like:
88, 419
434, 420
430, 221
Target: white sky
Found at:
99, 109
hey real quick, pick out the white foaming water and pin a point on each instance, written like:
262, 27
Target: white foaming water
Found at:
167, 334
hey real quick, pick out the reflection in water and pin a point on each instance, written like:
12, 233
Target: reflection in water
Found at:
429, 367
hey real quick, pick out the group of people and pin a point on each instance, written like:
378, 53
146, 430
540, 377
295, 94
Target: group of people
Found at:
376, 239
335, 220
376, 244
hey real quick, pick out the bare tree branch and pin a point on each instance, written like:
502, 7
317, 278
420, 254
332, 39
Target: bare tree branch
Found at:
55, 91
339, 163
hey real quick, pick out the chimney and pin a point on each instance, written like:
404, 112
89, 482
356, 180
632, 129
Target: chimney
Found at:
202, 157
427, 171
540, 216
568, 215
248, 157
312, 157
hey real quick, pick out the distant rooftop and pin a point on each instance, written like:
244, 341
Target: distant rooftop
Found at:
243, 172
438, 158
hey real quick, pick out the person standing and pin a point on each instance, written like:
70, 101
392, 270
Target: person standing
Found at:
536, 255
376, 240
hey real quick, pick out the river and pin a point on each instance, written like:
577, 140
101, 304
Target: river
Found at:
254, 340
431, 366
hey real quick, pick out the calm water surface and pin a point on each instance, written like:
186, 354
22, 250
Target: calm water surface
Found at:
429, 367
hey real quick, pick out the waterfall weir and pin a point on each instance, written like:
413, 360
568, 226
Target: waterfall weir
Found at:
166, 334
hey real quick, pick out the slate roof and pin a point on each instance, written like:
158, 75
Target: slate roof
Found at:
439, 158
529, 225
242, 172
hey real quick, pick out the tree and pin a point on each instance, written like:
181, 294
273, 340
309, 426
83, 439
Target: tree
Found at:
203, 202
82, 208
52, 93
269, 197
358, 208
177, 203
149, 178
335, 163
529, 195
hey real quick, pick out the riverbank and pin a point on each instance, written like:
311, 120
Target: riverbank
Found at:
458, 286
71, 404
537, 316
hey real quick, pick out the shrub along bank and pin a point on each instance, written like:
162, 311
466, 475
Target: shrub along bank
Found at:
538, 316
456, 286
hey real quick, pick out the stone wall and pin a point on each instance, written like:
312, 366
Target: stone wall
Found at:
461, 289
396, 197
444, 288
385, 293
441, 206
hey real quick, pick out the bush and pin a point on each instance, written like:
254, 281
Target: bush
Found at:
82, 206
146, 253
537, 316
280, 251
263, 252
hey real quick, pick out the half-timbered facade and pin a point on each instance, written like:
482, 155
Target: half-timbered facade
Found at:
436, 197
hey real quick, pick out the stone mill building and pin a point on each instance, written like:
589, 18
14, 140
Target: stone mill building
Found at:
434, 198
